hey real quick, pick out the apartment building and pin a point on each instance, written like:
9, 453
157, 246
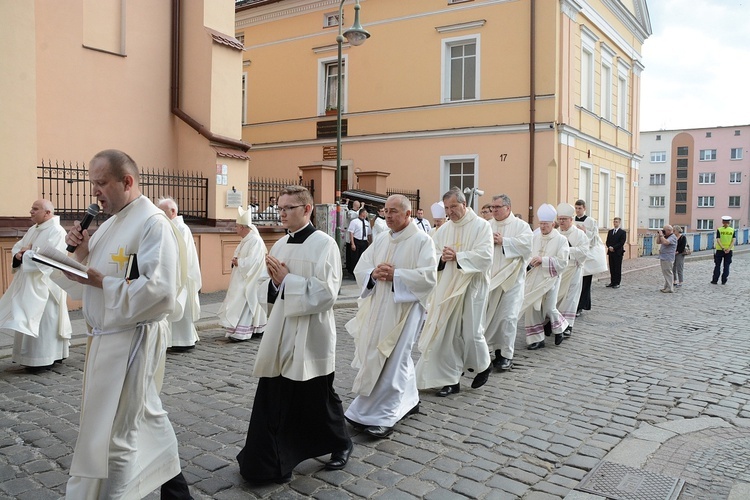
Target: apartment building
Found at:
693, 177
535, 99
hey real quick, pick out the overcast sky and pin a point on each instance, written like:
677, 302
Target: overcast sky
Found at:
697, 65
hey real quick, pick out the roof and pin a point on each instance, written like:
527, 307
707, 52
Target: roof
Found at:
227, 40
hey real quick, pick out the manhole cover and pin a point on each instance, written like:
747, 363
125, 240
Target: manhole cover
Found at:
620, 482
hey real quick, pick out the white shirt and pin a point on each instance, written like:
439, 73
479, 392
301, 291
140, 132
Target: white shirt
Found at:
358, 226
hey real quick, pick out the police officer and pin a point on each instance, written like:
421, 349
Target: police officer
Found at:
726, 237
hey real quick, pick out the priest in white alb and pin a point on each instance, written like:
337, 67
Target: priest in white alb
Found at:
184, 334
396, 275
34, 307
512, 251
379, 225
549, 257
241, 313
452, 340
571, 278
126, 446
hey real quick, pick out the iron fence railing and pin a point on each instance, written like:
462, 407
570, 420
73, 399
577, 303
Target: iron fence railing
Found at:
262, 194
413, 196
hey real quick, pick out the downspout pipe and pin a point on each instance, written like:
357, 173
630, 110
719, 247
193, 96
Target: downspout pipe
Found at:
174, 94
532, 105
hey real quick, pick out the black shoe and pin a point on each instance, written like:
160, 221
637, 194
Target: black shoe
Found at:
357, 426
609, 285
535, 346
615, 286
547, 329
257, 336
283, 479
558, 338
413, 411
481, 378
714, 282
340, 458
181, 348
568, 332
498, 358
448, 390
507, 364
579, 312
724, 282
38, 369
379, 431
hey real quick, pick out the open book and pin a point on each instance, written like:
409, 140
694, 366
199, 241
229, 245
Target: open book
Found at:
59, 260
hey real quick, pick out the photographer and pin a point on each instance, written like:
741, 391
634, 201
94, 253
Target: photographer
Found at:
668, 242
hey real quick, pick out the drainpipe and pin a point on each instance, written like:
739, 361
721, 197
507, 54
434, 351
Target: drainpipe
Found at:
532, 106
174, 94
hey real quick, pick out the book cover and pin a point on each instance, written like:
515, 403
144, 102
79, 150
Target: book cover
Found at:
131, 270
57, 259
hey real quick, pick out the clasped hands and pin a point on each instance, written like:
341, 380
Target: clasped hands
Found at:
535, 261
384, 272
277, 270
448, 254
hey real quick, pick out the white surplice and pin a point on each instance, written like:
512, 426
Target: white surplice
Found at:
507, 283
452, 340
386, 326
596, 261
241, 312
542, 284
33, 306
300, 339
184, 333
571, 279
378, 227
126, 446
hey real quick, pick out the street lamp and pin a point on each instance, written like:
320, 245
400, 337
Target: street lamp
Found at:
356, 35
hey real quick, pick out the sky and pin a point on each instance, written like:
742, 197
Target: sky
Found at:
697, 65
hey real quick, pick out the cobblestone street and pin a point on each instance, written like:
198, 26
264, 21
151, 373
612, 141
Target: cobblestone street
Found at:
640, 362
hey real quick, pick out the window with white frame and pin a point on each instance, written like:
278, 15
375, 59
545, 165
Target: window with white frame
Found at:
330, 19
604, 188
735, 177
460, 172
461, 68
705, 201
328, 87
655, 223
657, 179
734, 202
734, 224
619, 195
244, 98
705, 224
588, 49
658, 156
607, 56
585, 183
735, 154
241, 38
707, 154
707, 178
656, 201
623, 103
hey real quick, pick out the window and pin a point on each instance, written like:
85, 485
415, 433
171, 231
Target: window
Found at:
619, 196
734, 224
707, 178
682, 163
328, 91
461, 69
658, 137
734, 201
708, 134
680, 209
655, 223
606, 82
585, 184
658, 179
705, 201
588, 44
736, 154
604, 197
241, 39
682, 174
623, 107
680, 197
658, 156
735, 177
682, 151
708, 154
736, 132
330, 19
461, 172
705, 224
656, 201
244, 98
681, 186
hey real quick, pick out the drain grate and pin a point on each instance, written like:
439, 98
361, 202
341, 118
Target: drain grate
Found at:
620, 482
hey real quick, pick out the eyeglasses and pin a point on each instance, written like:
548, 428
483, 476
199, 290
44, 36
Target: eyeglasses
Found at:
497, 207
289, 208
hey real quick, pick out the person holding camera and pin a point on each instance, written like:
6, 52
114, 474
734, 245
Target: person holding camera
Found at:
668, 242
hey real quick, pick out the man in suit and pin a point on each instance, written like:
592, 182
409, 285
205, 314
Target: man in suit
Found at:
616, 239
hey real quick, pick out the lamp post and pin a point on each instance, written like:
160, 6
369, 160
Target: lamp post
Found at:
356, 35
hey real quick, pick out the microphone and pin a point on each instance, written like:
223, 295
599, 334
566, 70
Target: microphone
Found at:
91, 214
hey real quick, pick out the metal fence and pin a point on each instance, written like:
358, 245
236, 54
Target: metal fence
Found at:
67, 187
412, 195
262, 195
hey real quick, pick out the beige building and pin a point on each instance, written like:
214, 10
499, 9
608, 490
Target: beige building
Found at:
158, 80
535, 99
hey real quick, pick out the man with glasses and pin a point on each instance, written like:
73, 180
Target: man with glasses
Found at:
452, 340
512, 250
550, 257
296, 412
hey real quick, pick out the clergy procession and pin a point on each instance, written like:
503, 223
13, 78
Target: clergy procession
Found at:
452, 294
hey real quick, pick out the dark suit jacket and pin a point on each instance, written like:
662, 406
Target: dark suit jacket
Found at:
617, 241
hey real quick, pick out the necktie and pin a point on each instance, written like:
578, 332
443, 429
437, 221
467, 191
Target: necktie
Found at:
364, 230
